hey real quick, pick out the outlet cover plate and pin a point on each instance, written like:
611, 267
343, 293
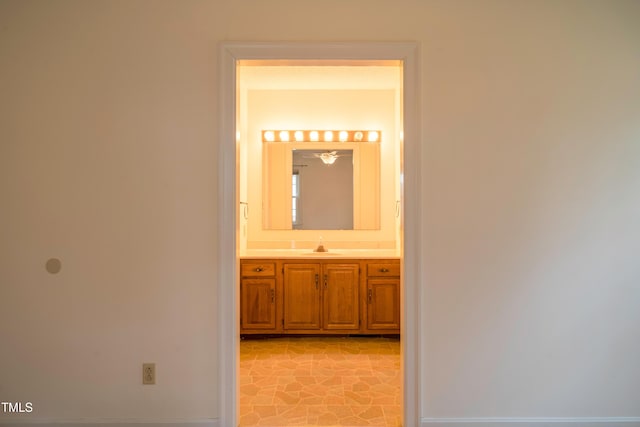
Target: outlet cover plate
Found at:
148, 373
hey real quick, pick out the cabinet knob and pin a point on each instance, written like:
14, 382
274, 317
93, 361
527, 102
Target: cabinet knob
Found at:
384, 270
258, 269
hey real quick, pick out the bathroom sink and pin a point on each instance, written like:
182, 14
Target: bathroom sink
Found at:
328, 253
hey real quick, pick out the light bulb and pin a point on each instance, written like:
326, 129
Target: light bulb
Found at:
313, 135
298, 135
284, 136
328, 136
269, 136
343, 135
373, 136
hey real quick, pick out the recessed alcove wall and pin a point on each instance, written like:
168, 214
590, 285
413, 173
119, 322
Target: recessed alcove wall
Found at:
318, 97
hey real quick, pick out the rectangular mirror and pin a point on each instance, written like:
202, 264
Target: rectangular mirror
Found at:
301, 192
322, 190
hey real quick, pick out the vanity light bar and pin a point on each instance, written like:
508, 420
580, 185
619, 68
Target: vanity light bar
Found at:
321, 135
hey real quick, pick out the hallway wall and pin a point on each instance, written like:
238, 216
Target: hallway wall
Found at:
530, 168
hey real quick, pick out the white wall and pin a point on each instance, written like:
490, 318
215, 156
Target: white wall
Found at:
107, 161
532, 208
531, 172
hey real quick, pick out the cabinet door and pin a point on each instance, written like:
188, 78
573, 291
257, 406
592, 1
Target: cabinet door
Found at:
341, 296
258, 304
301, 296
383, 304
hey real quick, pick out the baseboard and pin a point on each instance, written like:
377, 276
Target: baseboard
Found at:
111, 422
532, 422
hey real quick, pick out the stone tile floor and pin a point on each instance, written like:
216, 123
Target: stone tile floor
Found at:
320, 381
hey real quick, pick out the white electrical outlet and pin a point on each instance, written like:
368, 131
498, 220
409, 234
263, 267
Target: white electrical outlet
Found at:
148, 373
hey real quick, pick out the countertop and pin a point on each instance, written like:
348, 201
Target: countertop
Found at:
332, 254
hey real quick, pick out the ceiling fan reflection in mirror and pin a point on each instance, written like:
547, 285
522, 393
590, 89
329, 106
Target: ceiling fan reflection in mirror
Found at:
329, 157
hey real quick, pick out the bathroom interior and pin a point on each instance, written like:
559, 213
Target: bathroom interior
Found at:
314, 366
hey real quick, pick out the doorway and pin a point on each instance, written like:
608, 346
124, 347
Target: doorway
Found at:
229, 202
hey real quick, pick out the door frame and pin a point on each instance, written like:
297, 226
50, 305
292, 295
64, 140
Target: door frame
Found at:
228, 206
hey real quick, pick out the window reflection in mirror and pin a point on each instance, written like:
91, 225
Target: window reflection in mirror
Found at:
322, 190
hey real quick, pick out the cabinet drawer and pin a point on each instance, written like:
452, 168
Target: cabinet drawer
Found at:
383, 269
258, 269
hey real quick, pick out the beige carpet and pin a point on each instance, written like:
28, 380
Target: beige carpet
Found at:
324, 381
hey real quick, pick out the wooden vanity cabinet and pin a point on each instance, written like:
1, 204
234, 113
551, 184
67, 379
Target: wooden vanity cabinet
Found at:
383, 296
258, 305
341, 297
321, 297
301, 288
309, 296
